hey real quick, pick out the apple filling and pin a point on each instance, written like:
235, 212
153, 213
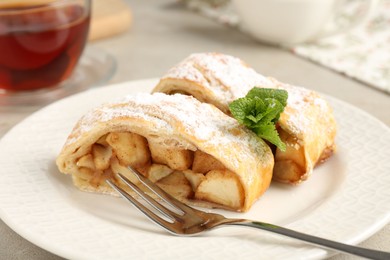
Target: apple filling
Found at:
185, 174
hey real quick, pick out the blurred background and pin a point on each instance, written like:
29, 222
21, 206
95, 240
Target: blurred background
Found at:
143, 39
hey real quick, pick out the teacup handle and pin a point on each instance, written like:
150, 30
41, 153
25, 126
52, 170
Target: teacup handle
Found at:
358, 19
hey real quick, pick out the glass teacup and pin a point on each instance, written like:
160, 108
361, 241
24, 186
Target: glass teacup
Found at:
41, 42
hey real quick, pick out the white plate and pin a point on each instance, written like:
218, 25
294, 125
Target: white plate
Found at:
346, 199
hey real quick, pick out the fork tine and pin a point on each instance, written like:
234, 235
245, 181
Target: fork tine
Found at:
150, 214
162, 194
152, 202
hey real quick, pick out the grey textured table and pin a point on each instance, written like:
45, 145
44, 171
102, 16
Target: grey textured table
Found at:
164, 33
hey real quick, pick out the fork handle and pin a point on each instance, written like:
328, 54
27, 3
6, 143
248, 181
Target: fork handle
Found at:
359, 251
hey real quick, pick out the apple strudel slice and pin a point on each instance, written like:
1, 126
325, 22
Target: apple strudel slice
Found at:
190, 149
307, 124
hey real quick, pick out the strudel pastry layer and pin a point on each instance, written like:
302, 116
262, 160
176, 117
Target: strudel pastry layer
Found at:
307, 124
190, 149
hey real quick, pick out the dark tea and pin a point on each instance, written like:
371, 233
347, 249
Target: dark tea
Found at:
40, 46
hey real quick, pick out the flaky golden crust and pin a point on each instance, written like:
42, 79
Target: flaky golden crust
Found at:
175, 121
307, 124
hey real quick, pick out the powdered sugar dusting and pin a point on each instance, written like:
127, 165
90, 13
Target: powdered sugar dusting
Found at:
186, 70
230, 72
219, 73
173, 114
304, 108
227, 78
179, 107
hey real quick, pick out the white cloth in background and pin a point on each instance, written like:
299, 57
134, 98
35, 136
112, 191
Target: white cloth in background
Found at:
363, 53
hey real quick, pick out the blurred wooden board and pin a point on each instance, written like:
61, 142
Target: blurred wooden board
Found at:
109, 18
21, 3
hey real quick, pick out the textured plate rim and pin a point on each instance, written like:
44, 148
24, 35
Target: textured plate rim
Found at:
370, 229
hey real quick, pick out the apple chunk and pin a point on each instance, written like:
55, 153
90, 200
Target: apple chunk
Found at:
194, 178
86, 161
158, 171
116, 168
176, 159
101, 156
222, 187
204, 163
130, 149
177, 185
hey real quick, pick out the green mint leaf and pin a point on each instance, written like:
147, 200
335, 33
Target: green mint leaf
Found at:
274, 108
259, 110
240, 108
269, 133
253, 118
245, 111
279, 94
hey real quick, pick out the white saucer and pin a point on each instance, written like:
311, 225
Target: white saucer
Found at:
95, 68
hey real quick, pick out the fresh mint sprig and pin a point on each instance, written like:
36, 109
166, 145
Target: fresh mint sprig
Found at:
259, 110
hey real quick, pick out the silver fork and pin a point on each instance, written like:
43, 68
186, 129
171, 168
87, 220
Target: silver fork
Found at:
182, 220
